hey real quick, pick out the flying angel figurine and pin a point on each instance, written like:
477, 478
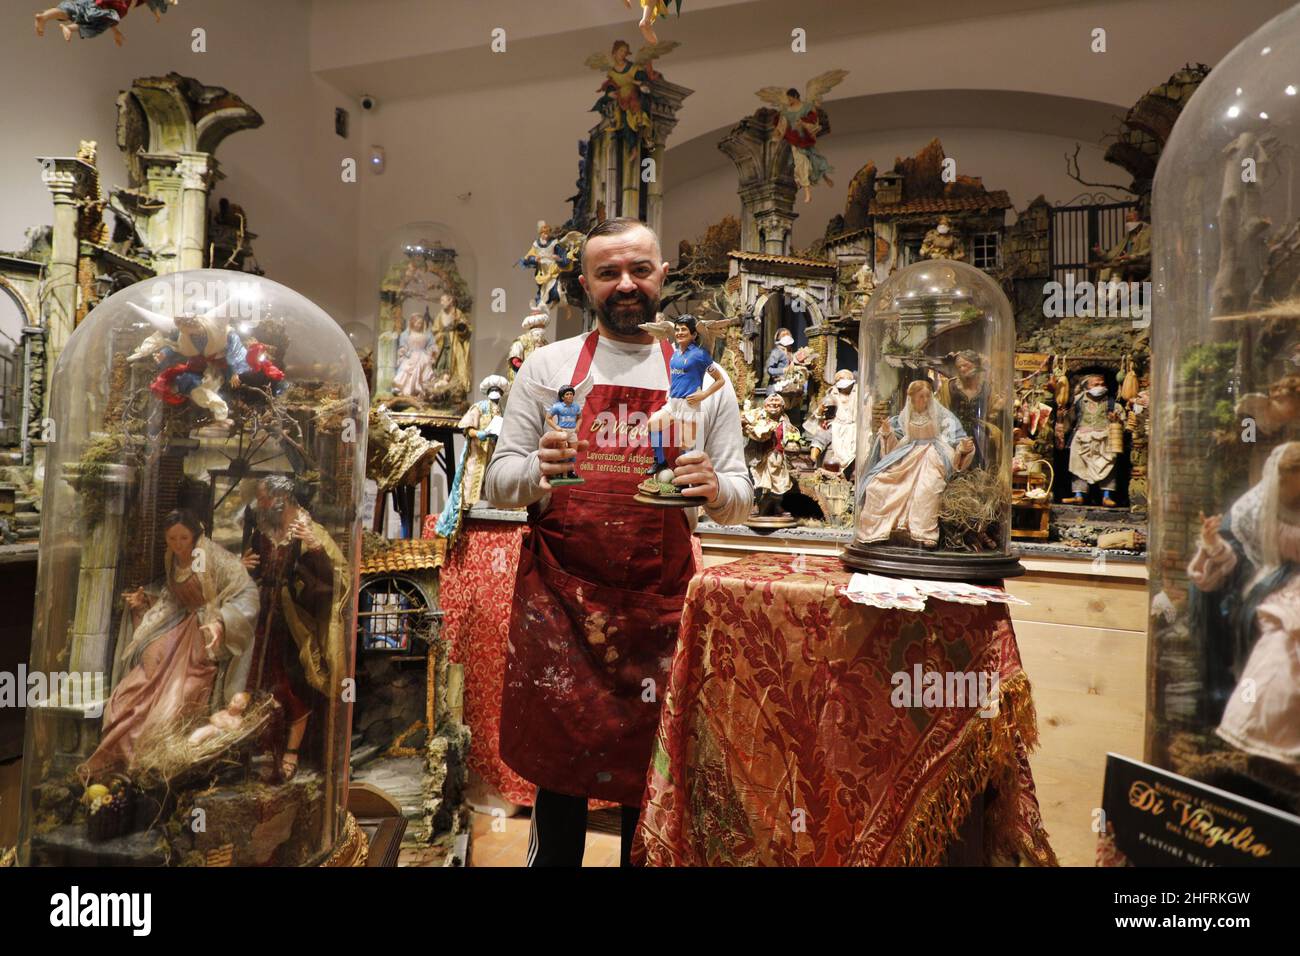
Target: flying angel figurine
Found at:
199, 357
652, 10
562, 406
90, 18
802, 119
627, 79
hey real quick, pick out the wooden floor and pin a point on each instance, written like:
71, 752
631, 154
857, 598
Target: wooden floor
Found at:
503, 841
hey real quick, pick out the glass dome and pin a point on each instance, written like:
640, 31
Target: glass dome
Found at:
197, 581
1224, 692
933, 494
422, 356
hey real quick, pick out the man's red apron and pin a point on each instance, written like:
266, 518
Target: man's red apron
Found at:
598, 598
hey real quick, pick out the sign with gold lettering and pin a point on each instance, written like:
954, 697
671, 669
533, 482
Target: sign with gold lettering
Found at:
1157, 818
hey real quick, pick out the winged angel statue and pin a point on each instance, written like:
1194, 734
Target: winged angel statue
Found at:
802, 120
625, 94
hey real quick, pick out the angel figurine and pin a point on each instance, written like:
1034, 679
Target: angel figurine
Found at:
562, 407
801, 120
200, 357
679, 418
91, 18
548, 257
652, 10
627, 78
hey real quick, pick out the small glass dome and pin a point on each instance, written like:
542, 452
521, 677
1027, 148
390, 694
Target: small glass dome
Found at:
933, 494
197, 582
422, 357
1224, 693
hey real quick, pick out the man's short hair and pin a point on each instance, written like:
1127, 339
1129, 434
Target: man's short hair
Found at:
565, 391
612, 227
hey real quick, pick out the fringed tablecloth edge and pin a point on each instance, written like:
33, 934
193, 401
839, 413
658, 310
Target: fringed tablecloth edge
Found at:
986, 753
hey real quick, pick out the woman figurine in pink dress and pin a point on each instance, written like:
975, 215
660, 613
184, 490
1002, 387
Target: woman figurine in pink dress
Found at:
189, 651
415, 359
1247, 562
914, 456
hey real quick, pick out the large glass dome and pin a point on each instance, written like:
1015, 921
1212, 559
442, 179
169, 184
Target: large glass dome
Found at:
934, 483
197, 582
1225, 535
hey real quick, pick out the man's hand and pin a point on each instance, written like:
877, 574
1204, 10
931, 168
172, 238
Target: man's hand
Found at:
302, 530
555, 456
693, 473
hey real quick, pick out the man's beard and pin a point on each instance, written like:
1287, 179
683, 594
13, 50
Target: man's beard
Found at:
271, 520
627, 320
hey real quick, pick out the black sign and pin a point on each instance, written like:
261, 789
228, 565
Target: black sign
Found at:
1157, 818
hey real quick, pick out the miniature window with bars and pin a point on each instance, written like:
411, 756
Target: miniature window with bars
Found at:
391, 612
984, 250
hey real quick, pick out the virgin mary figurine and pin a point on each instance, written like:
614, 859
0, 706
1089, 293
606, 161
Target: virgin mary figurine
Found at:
415, 358
914, 456
1245, 570
190, 650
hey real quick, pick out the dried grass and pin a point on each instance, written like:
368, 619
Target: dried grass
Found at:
163, 758
972, 506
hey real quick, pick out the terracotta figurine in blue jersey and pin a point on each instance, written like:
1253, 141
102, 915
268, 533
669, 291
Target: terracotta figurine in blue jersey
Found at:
676, 424
563, 416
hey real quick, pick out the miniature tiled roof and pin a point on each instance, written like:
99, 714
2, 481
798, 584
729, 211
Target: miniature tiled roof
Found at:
416, 554
996, 199
780, 260
849, 236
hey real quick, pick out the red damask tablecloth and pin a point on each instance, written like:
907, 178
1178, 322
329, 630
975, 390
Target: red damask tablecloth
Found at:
778, 743
474, 592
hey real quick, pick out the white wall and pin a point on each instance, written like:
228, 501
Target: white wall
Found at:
285, 175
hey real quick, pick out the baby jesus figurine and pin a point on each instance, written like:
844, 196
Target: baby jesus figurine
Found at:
232, 718
90, 18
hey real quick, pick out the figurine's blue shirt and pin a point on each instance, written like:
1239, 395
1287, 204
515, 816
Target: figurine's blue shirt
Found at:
565, 415
688, 371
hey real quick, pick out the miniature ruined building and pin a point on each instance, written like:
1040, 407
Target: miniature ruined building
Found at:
169, 128
777, 289
897, 207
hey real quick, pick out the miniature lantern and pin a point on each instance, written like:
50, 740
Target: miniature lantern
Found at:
196, 602
933, 495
